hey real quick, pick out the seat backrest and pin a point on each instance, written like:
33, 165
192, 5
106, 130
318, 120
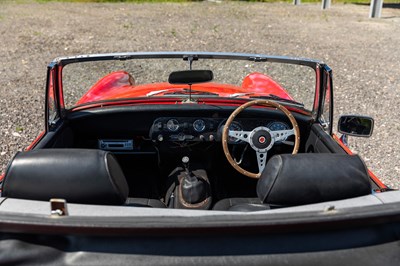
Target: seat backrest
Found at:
299, 179
76, 175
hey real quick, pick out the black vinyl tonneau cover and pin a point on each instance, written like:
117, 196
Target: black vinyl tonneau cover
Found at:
354, 236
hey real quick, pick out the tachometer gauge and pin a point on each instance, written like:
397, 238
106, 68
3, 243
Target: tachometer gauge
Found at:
173, 125
275, 126
199, 125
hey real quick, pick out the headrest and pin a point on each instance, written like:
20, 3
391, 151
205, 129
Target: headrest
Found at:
76, 175
310, 178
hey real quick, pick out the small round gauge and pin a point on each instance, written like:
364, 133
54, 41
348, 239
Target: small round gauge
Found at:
234, 127
173, 125
199, 125
275, 126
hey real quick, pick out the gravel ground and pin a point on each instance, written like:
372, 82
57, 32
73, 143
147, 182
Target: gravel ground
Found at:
364, 55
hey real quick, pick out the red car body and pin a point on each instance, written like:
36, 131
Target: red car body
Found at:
120, 85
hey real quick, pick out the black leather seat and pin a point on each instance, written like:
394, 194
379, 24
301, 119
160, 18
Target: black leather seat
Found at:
143, 202
240, 204
291, 180
76, 175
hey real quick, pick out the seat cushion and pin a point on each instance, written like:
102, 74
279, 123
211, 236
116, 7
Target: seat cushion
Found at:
240, 204
76, 175
142, 202
290, 180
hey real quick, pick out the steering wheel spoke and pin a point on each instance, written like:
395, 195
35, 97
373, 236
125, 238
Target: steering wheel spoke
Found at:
281, 135
242, 135
261, 160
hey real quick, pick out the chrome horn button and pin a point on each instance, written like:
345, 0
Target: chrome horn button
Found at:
261, 139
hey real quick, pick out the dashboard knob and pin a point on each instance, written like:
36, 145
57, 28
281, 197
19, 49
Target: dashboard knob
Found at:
160, 137
211, 137
202, 138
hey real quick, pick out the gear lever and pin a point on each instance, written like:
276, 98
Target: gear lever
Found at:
193, 188
185, 162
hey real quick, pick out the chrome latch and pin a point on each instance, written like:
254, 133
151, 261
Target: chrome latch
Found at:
58, 207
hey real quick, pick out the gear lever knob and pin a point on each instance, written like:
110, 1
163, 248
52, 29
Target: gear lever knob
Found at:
185, 162
185, 159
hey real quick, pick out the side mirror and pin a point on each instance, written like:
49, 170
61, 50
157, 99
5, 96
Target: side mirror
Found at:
356, 125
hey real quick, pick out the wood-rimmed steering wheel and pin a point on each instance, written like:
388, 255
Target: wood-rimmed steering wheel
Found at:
261, 138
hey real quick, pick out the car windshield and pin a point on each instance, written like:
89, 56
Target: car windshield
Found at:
91, 81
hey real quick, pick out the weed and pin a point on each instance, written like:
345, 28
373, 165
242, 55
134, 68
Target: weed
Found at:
215, 28
173, 32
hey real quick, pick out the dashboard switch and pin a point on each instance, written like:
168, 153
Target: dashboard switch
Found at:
211, 137
160, 137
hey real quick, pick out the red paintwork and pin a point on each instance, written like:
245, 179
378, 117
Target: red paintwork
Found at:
38, 138
261, 83
120, 85
172, 101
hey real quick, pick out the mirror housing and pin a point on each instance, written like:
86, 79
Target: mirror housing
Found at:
190, 76
356, 125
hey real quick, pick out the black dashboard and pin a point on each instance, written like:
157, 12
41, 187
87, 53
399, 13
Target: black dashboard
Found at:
202, 129
144, 129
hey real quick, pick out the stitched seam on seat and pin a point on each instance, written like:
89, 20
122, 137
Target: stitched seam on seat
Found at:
116, 188
273, 183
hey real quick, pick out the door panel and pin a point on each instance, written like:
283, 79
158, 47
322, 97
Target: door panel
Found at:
320, 142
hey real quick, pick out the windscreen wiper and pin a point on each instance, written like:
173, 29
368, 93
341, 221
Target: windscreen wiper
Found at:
179, 91
268, 97
240, 94
277, 98
185, 91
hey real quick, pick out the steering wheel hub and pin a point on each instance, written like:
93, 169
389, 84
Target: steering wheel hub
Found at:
261, 139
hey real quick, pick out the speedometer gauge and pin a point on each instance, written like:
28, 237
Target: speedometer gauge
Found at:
275, 126
173, 125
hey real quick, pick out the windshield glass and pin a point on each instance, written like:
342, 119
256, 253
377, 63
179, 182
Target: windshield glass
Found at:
93, 81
